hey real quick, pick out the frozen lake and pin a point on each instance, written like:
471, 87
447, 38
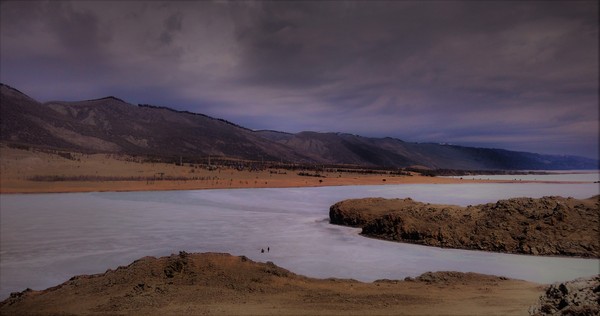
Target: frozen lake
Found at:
560, 176
47, 238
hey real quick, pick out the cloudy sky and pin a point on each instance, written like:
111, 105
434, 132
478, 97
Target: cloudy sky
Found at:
514, 75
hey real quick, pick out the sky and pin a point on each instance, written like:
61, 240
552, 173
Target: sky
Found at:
519, 75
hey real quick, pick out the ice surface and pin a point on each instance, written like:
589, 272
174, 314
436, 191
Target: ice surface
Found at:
47, 238
560, 176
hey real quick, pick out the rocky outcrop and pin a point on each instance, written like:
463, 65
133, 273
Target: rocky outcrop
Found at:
151, 283
577, 297
546, 226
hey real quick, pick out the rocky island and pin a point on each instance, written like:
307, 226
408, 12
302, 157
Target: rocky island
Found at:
550, 225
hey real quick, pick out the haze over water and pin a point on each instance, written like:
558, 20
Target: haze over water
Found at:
47, 238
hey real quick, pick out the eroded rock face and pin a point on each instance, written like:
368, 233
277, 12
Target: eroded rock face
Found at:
577, 297
546, 226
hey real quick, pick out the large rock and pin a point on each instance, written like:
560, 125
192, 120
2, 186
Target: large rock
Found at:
577, 297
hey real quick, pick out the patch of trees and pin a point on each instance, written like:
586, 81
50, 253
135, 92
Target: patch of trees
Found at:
460, 173
160, 177
307, 174
18, 146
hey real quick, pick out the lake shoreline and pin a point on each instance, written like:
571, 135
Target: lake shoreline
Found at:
31, 187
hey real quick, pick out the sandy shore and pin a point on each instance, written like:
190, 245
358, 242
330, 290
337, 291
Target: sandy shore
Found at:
19, 170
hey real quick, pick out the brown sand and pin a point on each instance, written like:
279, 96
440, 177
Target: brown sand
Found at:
17, 167
220, 284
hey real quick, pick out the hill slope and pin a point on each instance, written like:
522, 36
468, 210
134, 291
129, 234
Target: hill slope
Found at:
114, 126
111, 125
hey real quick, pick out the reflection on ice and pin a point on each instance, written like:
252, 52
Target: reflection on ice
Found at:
45, 239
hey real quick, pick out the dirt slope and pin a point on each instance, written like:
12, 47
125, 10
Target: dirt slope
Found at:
210, 284
546, 226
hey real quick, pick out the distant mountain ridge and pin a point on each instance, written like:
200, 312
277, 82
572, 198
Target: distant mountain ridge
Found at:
111, 125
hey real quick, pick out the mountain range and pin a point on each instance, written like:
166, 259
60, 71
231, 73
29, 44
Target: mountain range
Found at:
111, 125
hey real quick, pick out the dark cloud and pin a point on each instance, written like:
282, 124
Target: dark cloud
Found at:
172, 25
516, 75
76, 30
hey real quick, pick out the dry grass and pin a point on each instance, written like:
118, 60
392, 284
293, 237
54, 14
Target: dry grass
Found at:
34, 171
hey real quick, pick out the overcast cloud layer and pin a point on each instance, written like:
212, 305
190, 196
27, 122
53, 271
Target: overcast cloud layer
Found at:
514, 75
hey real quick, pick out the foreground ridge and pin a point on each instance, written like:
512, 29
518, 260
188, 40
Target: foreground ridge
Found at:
215, 283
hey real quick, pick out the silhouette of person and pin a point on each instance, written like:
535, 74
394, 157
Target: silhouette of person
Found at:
268, 249
262, 251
